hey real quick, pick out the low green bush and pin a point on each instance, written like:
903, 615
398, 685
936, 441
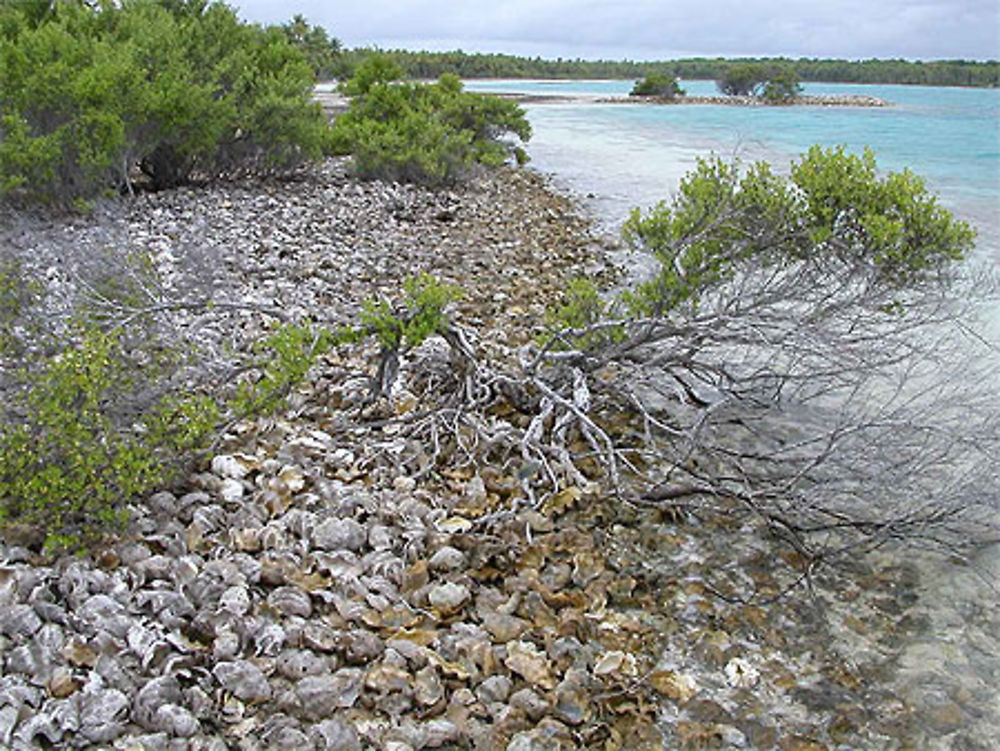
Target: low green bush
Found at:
432, 134
69, 464
658, 85
90, 429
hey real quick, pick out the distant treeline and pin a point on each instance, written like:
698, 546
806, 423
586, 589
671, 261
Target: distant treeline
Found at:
478, 65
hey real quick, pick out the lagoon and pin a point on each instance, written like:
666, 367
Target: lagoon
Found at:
622, 156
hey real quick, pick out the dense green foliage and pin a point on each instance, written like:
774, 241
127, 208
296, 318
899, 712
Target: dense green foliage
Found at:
471, 65
176, 88
833, 205
742, 79
782, 86
658, 85
427, 133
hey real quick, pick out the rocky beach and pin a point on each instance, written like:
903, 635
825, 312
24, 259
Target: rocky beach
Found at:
296, 592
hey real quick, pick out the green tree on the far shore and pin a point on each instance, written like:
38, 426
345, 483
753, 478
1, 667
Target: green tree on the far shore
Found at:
742, 79
782, 86
322, 52
430, 65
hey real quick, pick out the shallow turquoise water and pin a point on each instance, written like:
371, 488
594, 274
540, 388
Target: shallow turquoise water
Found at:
627, 155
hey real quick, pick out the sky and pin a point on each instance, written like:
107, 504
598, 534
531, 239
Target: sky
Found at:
657, 29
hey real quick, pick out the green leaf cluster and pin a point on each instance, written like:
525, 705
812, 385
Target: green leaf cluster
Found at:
284, 359
176, 88
833, 205
432, 134
405, 324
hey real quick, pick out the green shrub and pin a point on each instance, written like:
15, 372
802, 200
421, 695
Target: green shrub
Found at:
775, 84
284, 359
88, 431
424, 133
68, 466
782, 86
742, 79
90, 92
833, 205
658, 85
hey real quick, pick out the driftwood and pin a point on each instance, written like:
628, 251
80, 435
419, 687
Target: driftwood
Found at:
844, 414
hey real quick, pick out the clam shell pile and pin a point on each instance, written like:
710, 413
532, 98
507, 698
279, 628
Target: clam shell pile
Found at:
274, 606
295, 595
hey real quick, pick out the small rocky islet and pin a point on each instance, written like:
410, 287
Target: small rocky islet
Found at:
299, 593
803, 100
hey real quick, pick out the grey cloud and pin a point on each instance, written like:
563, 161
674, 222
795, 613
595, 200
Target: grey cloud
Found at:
641, 29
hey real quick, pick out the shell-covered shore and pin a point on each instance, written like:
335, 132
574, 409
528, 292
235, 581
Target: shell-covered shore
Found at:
288, 596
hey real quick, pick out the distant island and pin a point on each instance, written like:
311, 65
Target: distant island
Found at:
740, 85
822, 100
744, 85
